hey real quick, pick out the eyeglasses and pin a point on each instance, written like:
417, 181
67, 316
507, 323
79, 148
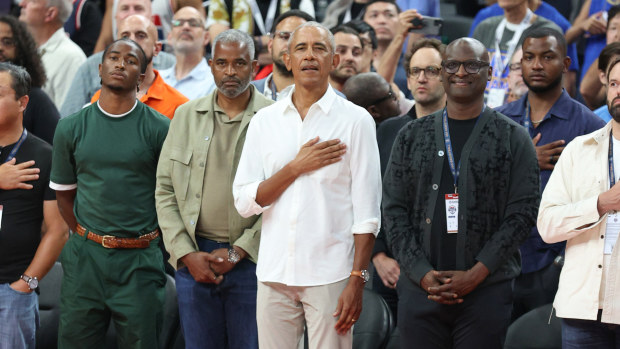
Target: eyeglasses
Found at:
282, 35
390, 94
429, 72
515, 66
193, 22
471, 67
7, 42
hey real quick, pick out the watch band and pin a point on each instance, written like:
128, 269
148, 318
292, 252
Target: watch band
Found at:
363, 274
32, 282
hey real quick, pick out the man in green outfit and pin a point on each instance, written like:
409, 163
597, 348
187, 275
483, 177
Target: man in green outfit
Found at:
103, 169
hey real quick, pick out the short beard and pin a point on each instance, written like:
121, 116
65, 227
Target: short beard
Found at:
614, 111
243, 85
281, 68
542, 89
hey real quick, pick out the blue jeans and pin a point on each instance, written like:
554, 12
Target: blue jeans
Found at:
585, 334
219, 316
19, 318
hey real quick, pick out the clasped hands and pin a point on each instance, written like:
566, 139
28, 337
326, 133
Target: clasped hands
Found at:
450, 287
208, 267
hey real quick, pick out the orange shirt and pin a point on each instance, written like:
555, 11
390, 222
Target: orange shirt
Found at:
160, 96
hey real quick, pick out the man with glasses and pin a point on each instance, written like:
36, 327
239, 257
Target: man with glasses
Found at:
460, 195
372, 92
423, 67
552, 119
277, 84
350, 48
369, 43
18, 47
516, 85
190, 75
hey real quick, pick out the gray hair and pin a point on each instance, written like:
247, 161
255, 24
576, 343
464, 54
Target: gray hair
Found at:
234, 36
65, 7
21, 81
330, 36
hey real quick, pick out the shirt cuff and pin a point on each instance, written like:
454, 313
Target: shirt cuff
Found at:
368, 226
62, 187
246, 204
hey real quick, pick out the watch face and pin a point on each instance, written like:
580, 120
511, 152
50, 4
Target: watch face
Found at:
33, 283
233, 256
365, 275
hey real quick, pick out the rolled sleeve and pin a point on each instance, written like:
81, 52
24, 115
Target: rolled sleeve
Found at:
365, 178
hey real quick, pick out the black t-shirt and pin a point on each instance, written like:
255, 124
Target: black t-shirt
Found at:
22, 214
41, 115
443, 245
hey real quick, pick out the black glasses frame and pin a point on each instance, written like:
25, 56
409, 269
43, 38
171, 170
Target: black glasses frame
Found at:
471, 67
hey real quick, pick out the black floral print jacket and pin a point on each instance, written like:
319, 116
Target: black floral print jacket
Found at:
498, 195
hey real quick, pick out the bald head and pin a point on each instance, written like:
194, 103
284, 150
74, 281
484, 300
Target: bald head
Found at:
126, 8
371, 91
470, 45
141, 30
466, 71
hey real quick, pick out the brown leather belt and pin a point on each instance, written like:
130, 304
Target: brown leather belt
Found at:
109, 241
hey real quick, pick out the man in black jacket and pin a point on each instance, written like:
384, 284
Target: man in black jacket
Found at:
461, 192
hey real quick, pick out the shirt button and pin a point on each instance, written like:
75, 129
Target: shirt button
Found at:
435, 186
191, 222
600, 266
440, 153
428, 221
197, 196
206, 138
202, 164
602, 236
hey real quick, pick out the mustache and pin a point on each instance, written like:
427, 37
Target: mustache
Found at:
232, 78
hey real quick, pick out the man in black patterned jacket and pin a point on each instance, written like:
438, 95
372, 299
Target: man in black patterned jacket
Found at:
461, 193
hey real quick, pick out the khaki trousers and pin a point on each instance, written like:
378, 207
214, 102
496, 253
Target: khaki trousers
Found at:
282, 311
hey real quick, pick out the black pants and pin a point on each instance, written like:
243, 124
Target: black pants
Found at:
536, 289
480, 321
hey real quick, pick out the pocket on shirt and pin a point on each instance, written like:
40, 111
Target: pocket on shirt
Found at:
181, 159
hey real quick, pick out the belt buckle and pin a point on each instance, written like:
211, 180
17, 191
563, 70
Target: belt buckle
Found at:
103, 241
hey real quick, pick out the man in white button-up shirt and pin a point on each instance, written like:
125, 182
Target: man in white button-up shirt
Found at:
578, 206
310, 165
60, 56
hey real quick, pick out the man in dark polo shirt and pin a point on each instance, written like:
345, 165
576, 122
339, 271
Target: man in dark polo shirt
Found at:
27, 252
552, 119
103, 169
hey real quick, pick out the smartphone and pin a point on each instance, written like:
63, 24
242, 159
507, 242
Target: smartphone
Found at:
427, 25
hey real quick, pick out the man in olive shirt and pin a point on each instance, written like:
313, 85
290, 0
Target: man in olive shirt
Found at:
212, 247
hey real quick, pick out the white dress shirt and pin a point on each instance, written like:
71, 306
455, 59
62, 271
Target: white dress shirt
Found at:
307, 233
568, 211
61, 59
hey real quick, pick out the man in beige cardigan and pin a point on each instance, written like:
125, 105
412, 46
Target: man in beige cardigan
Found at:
212, 247
580, 204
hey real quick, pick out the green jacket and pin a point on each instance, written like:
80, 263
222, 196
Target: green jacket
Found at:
180, 177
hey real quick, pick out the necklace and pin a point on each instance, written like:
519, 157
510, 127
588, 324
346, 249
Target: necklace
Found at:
536, 122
